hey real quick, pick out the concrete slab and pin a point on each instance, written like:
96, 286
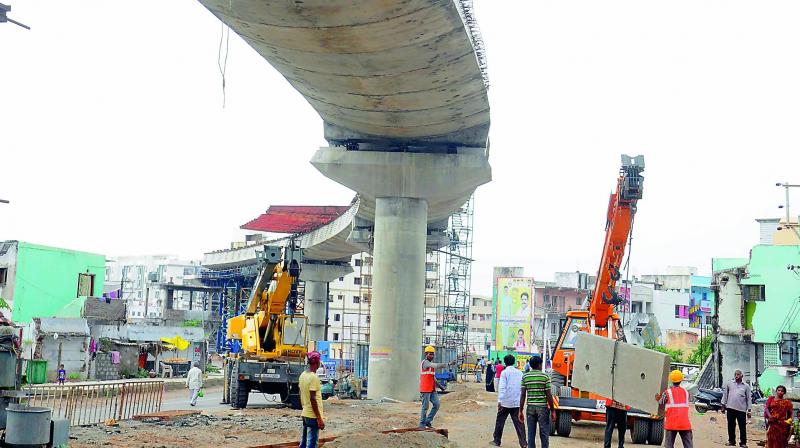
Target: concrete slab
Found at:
623, 372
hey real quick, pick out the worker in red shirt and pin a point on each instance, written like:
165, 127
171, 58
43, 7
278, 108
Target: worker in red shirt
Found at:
676, 418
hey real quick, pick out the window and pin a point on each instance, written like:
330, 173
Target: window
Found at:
708, 320
546, 300
357, 262
753, 293
335, 336
340, 297
158, 294
3, 275
341, 279
705, 296
369, 318
85, 285
139, 295
553, 328
337, 317
356, 280
677, 311
356, 299
330, 298
474, 316
427, 340
578, 301
367, 280
427, 322
430, 283
430, 266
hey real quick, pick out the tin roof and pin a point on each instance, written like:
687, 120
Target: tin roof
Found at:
295, 218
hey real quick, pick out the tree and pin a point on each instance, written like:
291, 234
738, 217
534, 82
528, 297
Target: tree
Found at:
702, 352
675, 355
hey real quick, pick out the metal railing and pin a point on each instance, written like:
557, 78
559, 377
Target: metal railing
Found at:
89, 403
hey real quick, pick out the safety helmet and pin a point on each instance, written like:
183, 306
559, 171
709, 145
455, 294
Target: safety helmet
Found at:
313, 356
676, 376
430, 349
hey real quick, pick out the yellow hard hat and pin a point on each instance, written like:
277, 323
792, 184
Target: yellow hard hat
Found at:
676, 376
430, 349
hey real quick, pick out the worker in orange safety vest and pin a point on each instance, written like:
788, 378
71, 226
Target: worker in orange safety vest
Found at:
676, 419
428, 385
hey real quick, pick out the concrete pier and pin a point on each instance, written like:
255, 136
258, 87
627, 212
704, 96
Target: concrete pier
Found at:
398, 297
404, 194
316, 277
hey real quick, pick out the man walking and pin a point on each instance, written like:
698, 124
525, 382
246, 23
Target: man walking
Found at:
498, 370
616, 415
535, 391
194, 381
428, 385
508, 403
676, 419
737, 403
479, 369
311, 400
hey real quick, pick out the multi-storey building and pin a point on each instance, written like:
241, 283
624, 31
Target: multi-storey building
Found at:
480, 324
142, 282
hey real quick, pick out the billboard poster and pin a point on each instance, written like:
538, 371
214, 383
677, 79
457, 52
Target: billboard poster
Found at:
513, 313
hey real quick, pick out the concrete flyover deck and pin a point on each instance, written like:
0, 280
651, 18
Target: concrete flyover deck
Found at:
374, 69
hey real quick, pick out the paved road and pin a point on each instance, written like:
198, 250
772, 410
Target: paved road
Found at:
211, 401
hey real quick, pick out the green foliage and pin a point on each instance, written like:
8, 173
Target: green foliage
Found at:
193, 323
105, 344
4, 305
675, 355
74, 376
142, 373
701, 353
212, 369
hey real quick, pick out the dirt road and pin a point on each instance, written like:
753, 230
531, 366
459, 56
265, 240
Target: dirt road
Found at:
468, 412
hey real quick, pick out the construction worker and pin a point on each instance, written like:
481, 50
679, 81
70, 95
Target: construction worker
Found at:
616, 415
676, 419
428, 385
311, 400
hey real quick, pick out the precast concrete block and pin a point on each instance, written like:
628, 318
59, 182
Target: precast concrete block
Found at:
626, 373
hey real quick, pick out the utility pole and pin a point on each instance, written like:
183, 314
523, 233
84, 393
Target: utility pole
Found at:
4, 9
4, 201
786, 186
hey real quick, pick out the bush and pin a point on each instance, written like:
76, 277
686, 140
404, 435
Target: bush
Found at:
702, 352
675, 355
193, 323
212, 369
142, 374
74, 376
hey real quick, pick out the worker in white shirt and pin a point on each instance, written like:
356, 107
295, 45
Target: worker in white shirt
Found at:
194, 381
508, 391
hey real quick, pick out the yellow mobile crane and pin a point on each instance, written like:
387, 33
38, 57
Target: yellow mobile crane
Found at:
272, 334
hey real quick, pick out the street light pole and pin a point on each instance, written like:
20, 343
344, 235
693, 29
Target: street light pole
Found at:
4, 201
786, 186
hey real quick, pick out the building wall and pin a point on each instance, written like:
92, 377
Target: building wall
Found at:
780, 311
46, 281
671, 309
74, 354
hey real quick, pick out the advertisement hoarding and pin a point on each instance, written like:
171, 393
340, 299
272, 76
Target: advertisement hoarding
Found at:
513, 313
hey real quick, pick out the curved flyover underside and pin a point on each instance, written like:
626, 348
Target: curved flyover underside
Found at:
405, 71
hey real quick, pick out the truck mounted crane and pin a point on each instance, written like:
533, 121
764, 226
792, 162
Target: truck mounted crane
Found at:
271, 333
599, 318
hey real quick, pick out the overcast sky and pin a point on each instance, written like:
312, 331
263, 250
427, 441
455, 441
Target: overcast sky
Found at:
113, 138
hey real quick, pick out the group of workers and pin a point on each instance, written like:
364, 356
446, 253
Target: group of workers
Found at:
516, 389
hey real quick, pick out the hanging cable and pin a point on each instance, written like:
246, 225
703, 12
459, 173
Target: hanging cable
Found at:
222, 62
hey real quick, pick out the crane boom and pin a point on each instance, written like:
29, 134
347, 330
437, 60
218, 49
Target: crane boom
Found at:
619, 221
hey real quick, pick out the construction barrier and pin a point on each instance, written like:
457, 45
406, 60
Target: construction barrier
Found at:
90, 403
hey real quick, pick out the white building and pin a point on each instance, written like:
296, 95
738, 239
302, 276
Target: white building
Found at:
480, 324
140, 278
349, 306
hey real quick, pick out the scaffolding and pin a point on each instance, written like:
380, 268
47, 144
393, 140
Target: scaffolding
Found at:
457, 273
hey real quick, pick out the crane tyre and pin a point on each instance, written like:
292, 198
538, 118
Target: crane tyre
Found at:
564, 423
239, 390
293, 399
656, 434
640, 430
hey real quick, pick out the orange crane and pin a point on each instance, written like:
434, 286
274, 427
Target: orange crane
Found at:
600, 319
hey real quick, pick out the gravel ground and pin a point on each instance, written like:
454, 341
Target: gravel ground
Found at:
468, 412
